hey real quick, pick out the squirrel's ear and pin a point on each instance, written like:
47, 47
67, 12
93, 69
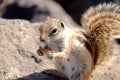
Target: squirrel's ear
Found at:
40, 25
62, 24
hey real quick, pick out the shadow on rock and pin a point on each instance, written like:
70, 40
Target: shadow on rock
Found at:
45, 75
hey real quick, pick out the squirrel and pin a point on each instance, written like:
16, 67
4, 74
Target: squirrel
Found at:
71, 54
102, 26
70, 48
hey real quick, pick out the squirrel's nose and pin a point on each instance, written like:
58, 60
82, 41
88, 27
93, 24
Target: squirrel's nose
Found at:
42, 40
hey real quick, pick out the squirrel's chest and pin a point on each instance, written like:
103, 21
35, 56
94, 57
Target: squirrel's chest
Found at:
71, 67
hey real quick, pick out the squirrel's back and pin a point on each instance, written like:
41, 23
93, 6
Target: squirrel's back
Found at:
102, 24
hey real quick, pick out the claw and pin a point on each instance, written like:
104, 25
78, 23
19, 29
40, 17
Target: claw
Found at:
50, 55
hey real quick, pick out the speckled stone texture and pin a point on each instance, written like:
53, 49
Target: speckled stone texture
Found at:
19, 41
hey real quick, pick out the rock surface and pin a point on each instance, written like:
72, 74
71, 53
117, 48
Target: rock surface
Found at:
35, 11
19, 41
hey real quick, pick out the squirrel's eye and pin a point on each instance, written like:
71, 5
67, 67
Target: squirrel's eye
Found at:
62, 24
54, 31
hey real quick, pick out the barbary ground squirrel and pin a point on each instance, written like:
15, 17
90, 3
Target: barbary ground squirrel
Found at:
70, 54
74, 54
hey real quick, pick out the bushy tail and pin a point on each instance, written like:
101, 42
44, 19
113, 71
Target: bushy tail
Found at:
96, 15
102, 24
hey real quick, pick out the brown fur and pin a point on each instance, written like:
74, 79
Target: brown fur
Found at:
102, 24
69, 51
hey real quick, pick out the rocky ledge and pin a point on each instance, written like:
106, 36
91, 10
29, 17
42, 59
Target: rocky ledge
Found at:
19, 41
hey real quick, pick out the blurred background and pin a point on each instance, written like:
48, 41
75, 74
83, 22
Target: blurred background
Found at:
37, 10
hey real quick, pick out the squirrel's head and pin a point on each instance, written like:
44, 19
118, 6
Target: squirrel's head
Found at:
51, 30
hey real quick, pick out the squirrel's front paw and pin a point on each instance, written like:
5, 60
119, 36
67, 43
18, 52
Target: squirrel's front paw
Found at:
50, 55
58, 55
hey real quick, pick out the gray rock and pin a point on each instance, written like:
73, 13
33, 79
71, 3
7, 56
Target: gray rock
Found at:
36, 11
19, 41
